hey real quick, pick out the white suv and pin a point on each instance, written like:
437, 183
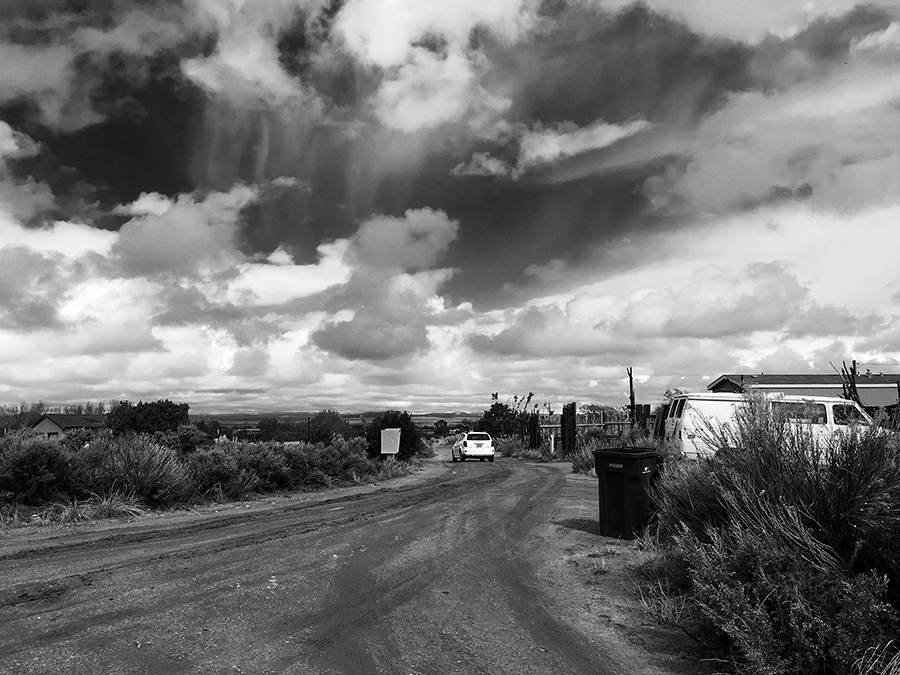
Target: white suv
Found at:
474, 444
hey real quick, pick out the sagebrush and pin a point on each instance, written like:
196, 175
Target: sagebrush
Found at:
786, 548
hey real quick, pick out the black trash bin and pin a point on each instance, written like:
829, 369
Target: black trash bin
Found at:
625, 475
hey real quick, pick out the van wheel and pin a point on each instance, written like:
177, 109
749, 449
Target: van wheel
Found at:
481, 459
462, 457
490, 459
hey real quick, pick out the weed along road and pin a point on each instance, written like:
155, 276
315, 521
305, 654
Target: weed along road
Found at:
461, 570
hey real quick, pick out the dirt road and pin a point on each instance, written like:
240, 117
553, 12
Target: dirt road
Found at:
468, 568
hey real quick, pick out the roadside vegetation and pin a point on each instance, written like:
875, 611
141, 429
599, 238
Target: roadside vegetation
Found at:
152, 458
781, 555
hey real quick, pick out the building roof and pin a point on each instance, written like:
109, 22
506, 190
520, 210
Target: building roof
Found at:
73, 421
809, 379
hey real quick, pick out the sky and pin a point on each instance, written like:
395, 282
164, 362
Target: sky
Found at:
259, 205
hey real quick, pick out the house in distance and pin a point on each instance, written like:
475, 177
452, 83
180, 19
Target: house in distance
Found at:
55, 425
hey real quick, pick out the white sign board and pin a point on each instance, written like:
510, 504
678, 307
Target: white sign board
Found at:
390, 441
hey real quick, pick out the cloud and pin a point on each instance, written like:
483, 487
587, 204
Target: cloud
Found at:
393, 290
281, 281
750, 22
734, 307
51, 55
429, 90
384, 35
184, 239
482, 164
545, 145
245, 67
31, 289
831, 142
370, 336
250, 363
413, 242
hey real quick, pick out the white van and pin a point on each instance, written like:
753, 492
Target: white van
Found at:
692, 416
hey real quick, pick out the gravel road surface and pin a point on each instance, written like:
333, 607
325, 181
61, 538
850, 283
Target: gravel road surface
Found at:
473, 567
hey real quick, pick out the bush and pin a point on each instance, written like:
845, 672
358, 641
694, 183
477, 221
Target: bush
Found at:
411, 442
792, 547
215, 470
325, 425
135, 464
515, 447
582, 458
32, 468
266, 462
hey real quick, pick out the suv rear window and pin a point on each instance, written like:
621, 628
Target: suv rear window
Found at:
478, 437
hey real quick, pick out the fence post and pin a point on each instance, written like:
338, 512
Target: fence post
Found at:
534, 431
568, 429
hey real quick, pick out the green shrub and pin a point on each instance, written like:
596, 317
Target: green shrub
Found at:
510, 447
792, 546
266, 462
33, 469
301, 464
582, 458
215, 471
347, 460
135, 464
515, 447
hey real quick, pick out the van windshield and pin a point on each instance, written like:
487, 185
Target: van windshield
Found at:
478, 437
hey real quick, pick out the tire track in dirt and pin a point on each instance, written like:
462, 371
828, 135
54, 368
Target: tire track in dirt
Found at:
526, 596
206, 538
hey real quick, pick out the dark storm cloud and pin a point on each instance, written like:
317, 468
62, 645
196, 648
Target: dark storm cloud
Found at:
371, 336
586, 65
779, 63
99, 86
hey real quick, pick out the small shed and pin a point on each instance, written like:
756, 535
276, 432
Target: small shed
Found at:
53, 425
877, 390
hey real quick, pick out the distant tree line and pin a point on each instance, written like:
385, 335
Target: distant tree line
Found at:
170, 424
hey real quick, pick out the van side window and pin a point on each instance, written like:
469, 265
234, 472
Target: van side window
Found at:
848, 414
807, 413
678, 408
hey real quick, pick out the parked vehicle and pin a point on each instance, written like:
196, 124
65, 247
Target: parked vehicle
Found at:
473, 444
692, 417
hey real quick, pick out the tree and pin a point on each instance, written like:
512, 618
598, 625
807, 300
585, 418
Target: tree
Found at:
410, 438
268, 427
441, 428
209, 425
162, 415
325, 425
501, 419
20, 416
